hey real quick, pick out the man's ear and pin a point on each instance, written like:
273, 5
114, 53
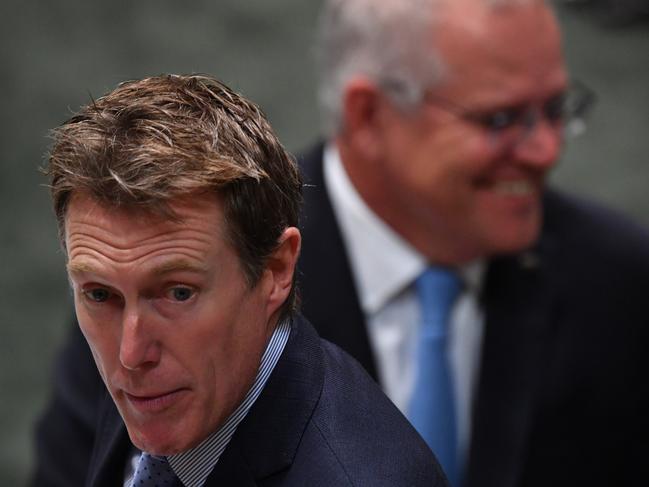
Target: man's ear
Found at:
280, 268
363, 103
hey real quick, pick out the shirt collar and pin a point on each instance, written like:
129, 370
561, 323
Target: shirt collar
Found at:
194, 466
383, 263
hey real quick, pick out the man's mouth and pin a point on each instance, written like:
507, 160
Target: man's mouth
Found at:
521, 187
154, 402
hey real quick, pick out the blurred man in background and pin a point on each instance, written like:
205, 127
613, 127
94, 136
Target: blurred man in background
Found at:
505, 320
444, 119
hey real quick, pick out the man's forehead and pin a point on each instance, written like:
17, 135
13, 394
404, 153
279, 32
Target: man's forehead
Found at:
508, 49
480, 29
171, 210
125, 225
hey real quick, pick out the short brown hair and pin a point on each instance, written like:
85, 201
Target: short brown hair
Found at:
150, 141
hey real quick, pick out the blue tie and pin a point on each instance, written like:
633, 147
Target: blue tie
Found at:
153, 472
432, 408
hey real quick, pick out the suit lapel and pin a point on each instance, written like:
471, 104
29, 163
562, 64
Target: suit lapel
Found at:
329, 297
231, 469
519, 305
267, 440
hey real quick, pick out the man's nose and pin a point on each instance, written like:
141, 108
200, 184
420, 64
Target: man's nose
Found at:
541, 145
139, 347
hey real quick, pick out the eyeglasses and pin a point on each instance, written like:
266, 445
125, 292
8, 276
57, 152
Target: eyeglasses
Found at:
567, 110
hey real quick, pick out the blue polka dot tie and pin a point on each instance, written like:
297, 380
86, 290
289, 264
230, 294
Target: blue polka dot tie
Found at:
432, 407
153, 472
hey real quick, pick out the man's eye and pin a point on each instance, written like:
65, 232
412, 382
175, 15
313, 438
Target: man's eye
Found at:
180, 293
98, 295
501, 120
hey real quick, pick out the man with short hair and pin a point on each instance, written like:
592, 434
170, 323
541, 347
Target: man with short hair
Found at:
177, 208
443, 119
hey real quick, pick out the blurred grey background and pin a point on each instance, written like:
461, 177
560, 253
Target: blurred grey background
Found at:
55, 54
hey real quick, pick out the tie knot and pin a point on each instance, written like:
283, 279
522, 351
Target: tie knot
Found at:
153, 471
440, 284
437, 288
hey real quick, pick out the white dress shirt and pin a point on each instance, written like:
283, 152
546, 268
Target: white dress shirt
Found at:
385, 267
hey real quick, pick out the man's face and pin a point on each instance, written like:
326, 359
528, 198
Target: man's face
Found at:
176, 332
454, 183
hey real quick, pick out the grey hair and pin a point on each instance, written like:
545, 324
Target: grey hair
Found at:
386, 41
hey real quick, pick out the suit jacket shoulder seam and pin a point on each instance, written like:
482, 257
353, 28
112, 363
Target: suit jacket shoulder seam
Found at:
333, 452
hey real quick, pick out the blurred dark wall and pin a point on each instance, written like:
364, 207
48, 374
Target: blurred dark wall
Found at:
54, 55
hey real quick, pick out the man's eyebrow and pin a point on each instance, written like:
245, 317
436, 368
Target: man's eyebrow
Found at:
78, 267
165, 268
179, 265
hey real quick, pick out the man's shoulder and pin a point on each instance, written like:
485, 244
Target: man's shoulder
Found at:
596, 261
321, 421
359, 426
580, 227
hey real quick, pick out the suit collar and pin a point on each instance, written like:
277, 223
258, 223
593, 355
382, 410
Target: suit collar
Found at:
267, 440
324, 270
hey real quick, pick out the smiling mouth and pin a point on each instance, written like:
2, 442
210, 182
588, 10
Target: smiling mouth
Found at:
156, 402
515, 188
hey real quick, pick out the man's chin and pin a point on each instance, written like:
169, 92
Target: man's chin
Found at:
155, 445
159, 437
515, 238
510, 223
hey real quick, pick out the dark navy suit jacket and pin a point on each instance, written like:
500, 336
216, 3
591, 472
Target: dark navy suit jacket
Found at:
563, 394
320, 421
